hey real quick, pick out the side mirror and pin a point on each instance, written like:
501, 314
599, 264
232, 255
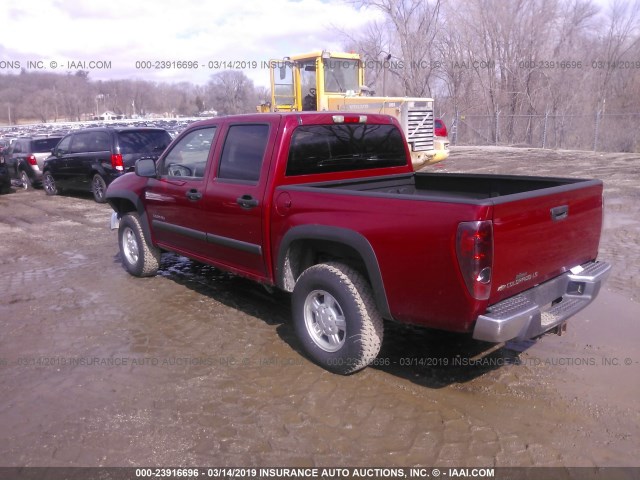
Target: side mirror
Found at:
283, 72
146, 167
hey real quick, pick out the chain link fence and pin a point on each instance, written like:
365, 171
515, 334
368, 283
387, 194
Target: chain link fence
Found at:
609, 132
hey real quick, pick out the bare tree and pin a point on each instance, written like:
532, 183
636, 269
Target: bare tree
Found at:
620, 37
374, 46
412, 27
230, 92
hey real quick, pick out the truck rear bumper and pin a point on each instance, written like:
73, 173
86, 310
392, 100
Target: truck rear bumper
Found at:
543, 307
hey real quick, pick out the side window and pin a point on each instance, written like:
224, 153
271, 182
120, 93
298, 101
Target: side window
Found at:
63, 146
81, 142
17, 147
99, 142
188, 158
243, 152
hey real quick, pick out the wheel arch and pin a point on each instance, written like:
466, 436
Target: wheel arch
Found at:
21, 166
307, 245
124, 202
23, 169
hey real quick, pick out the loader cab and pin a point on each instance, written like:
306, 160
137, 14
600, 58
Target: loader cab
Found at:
307, 82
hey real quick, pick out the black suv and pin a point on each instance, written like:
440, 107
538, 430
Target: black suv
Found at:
92, 158
25, 158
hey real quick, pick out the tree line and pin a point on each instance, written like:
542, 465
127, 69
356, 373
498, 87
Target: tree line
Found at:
50, 97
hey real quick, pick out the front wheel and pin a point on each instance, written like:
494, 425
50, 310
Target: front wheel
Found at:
49, 184
139, 256
99, 188
336, 319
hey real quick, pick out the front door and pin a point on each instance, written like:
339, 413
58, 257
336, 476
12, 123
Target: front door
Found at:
283, 92
59, 163
174, 199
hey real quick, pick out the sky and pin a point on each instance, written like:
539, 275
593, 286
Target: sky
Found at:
131, 38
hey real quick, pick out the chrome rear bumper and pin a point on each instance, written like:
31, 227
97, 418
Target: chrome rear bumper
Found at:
543, 307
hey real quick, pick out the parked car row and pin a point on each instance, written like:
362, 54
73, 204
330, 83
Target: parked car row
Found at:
8, 133
86, 159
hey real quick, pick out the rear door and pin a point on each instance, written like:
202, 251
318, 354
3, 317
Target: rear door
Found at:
174, 199
543, 234
234, 203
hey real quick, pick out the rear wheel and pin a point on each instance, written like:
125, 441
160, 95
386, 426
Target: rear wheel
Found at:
336, 319
99, 188
49, 184
25, 181
139, 256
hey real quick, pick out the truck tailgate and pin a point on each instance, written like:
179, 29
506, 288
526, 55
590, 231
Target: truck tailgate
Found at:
544, 233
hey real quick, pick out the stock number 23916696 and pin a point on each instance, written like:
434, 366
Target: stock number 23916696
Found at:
167, 64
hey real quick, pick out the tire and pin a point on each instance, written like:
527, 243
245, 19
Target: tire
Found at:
49, 184
99, 188
139, 257
336, 319
25, 181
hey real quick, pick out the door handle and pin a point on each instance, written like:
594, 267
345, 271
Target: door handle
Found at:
193, 195
559, 213
247, 201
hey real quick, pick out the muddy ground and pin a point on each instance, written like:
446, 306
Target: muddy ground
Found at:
195, 367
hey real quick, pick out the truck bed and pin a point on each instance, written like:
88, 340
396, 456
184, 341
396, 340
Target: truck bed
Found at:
459, 188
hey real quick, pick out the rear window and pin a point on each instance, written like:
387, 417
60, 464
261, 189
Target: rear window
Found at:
143, 141
338, 148
44, 144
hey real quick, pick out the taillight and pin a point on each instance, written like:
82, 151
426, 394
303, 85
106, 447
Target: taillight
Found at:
32, 160
474, 247
116, 162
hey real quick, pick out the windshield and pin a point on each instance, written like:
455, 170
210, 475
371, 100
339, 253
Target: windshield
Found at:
341, 75
337, 148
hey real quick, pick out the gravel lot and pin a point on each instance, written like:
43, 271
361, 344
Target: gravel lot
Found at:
196, 367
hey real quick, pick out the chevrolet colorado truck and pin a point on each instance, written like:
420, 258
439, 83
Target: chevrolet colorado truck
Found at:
327, 206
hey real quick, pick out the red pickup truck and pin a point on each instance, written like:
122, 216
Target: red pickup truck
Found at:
327, 206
